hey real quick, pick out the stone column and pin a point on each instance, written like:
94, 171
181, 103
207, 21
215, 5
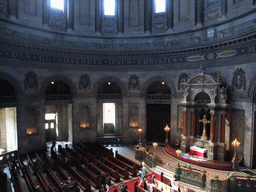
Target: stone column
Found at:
185, 121
98, 16
170, 16
192, 123
70, 15
223, 128
120, 16
212, 126
224, 7
13, 9
184, 146
199, 13
197, 123
148, 16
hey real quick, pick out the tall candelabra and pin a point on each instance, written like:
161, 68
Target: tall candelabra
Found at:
167, 129
155, 145
235, 144
140, 130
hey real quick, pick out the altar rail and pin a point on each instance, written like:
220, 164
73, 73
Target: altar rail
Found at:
142, 154
203, 180
191, 176
210, 163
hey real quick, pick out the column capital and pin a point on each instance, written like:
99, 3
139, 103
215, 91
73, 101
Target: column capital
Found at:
212, 112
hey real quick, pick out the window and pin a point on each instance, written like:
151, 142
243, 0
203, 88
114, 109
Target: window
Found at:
109, 113
160, 6
109, 7
57, 4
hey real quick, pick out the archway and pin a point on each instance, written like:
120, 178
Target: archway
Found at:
158, 99
109, 96
8, 117
58, 111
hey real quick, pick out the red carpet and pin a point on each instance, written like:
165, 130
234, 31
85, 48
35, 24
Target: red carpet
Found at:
130, 184
198, 163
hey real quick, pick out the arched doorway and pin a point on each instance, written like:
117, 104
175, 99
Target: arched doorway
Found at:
58, 111
8, 117
158, 98
109, 98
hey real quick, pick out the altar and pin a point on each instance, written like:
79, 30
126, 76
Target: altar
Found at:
197, 151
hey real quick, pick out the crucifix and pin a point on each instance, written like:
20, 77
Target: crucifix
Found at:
204, 121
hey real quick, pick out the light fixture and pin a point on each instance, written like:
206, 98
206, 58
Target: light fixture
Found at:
235, 144
140, 130
162, 83
52, 82
109, 82
178, 152
167, 129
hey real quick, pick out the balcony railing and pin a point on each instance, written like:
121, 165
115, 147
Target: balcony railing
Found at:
58, 97
109, 96
7, 99
158, 97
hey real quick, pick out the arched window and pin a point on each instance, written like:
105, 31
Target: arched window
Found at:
57, 4
160, 6
109, 7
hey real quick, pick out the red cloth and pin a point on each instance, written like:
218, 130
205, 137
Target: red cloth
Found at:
197, 153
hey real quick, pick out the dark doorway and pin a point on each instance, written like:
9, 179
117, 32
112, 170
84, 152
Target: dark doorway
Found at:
158, 116
50, 130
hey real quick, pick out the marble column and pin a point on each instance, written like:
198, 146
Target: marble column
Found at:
185, 122
120, 16
70, 15
98, 16
212, 146
13, 9
212, 127
223, 128
192, 123
148, 16
184, 146
199, 13
46, 11
224, 7
170, 16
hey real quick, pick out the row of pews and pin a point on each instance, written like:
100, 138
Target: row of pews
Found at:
88, 165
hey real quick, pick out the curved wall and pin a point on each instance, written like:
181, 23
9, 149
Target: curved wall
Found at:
164, 48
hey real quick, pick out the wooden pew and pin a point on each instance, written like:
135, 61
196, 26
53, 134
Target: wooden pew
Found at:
93, 178
131, 169
83, 152
121, 170
112, 173
14, 176
29, 181
43, 181
78, 156
83, 183
166, 180
127, 160
137, 188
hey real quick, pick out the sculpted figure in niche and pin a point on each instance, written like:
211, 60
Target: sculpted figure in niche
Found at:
134, 82
30, 80
183, 78
239, 79
84, 82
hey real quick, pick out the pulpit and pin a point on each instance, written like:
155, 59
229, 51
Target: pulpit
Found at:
197, 151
